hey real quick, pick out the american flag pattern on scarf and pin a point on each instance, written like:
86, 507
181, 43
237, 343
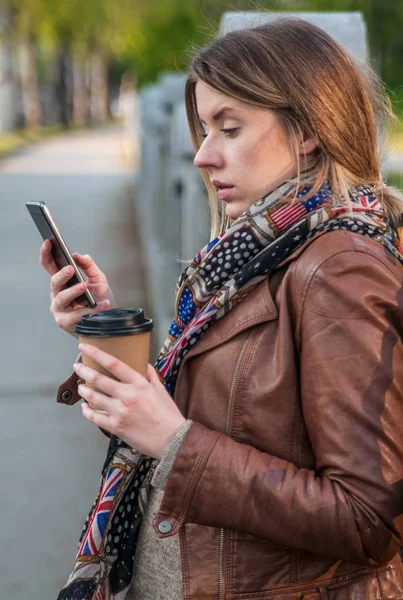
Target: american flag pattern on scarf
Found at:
219, 277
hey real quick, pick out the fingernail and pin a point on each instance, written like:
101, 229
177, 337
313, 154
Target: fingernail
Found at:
82, 347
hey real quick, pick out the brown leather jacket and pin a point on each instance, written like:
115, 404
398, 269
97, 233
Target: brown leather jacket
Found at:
289, 484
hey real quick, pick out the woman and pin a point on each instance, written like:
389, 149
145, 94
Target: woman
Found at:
274, 413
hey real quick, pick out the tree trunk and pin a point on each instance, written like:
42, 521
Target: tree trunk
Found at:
29, 82
99, 88
63, 86
89, 90
80, 91
10, 116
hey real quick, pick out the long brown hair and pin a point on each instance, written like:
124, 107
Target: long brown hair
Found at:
298, 70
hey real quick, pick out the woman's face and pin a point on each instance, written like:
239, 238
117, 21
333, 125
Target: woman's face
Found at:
246, 149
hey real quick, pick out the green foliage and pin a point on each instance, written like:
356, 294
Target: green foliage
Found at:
168, 29
16, 140
395, 179
149, 36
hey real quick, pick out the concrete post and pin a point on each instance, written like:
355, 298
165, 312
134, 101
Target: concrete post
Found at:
195, 228
348, 28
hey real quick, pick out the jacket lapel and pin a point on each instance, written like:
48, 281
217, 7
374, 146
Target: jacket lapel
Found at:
256, 308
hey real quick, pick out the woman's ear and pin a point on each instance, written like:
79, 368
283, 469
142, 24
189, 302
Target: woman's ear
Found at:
307, 144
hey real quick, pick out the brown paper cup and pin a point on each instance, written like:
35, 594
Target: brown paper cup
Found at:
123, 333
130, 349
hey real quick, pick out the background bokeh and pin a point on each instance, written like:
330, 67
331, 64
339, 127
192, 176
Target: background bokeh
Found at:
63, 60
71, 73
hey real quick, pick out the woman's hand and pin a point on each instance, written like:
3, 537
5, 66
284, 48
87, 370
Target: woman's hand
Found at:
136, 409
66, 311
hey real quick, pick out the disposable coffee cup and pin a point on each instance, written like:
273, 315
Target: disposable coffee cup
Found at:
122, 332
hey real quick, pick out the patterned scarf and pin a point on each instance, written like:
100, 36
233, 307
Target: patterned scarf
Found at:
219, 277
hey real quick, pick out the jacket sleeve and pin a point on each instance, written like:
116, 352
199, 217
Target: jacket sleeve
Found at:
350, 506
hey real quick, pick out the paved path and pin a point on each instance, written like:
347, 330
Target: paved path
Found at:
51, 456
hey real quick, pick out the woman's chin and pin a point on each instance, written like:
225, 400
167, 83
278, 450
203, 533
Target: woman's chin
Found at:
234, 210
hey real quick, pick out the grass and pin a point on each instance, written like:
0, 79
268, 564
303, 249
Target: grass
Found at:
395, 137
395, 142
395, 178
395, 128
13, 141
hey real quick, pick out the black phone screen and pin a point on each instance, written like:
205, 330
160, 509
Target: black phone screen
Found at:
47, 234
40, 217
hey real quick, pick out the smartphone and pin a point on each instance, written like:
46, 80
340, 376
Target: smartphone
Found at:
61, 254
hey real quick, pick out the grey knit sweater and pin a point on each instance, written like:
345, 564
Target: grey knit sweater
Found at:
157, 573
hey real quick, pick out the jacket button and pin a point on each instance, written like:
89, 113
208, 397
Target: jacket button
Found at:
165, 527
67, 395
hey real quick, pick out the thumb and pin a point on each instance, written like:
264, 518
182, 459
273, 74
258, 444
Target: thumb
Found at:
152, 375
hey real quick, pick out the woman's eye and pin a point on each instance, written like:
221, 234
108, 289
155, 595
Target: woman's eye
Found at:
231, 132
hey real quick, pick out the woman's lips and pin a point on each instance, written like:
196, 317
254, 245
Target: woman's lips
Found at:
224, 192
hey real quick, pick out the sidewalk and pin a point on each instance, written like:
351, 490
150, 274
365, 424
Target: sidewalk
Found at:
51, 456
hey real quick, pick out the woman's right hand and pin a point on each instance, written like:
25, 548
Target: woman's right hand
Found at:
66, 311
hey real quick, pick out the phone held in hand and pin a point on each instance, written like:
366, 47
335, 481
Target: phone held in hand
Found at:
61, 254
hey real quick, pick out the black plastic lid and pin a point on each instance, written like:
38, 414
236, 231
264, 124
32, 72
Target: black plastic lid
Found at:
114, 322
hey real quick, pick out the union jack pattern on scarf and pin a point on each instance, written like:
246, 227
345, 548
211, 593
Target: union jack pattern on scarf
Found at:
93, 537
98, 554
370, 203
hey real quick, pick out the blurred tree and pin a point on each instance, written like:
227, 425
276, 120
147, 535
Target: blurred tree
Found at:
167, 30
385, 23
23, 17
87, 37
59, 23
88, 33
9, 71
160, 41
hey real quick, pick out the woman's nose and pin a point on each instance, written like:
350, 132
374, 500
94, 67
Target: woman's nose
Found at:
207, 156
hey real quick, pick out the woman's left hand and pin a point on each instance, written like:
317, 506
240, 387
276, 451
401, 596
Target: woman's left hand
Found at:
136, 409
